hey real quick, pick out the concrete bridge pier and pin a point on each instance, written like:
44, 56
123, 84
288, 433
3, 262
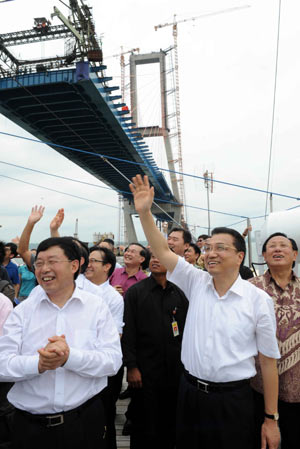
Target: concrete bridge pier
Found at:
129, 210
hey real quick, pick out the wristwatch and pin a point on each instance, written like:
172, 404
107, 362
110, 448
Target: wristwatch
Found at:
275, 417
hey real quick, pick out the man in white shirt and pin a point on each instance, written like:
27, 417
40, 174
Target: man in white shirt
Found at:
59, 347
6, 409
101, 265
227, 324
179, 240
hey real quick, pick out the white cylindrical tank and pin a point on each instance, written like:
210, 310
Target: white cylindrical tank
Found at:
287, 221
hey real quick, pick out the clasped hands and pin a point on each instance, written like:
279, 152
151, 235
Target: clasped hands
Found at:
54, 355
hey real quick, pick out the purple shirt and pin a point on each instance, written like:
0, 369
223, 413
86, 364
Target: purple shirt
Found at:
120, 277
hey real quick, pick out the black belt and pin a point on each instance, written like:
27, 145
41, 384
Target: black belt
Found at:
213, 387
56, 419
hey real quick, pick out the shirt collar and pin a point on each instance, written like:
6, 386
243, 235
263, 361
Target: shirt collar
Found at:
104, 285
80, 280
136, 275
236, 288
269, 278
77, 294
154, 283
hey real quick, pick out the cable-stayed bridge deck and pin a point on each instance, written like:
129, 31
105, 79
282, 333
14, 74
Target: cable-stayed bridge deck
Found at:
75, 109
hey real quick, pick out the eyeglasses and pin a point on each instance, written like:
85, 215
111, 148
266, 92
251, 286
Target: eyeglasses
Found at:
217, 248
96, 261
50, 263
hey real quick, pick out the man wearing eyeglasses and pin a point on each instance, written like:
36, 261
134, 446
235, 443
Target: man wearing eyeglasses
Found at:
227, 324
201, 240
58, 347
101, 265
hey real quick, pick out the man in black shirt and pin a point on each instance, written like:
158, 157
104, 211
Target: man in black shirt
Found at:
154, 316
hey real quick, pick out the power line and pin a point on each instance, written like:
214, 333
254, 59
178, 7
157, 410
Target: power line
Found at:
102, 156
58, 191
116, 190
108, 188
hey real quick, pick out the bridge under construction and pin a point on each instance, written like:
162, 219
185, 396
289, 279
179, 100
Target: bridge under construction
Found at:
67, 102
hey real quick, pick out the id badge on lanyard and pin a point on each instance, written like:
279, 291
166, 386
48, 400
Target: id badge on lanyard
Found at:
175, 328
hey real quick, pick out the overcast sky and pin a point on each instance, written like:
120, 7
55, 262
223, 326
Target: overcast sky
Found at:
226, 73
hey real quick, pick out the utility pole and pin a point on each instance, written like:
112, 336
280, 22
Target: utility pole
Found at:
208, 183
121, 213
271, 202
249, 242
76, 229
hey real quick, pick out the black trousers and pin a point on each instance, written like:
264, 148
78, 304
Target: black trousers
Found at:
214, 420
153, 415
109, 397
6, 416
6, 421
289, 422
85, 431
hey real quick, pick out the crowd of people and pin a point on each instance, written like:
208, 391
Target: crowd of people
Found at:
210, 351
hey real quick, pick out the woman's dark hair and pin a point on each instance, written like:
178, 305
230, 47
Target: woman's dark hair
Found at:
107, 257
67, 244
144, 253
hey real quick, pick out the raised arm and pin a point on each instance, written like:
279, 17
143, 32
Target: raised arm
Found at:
143, 197
56, 223
23, 248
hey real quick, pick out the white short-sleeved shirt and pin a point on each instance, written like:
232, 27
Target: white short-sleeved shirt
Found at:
112, 298
115, 303
6, 308
223, 334
95, 351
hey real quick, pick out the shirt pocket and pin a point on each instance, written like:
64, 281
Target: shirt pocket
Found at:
85, 338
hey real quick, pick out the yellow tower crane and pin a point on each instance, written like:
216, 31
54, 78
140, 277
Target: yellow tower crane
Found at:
177, 98
122, 64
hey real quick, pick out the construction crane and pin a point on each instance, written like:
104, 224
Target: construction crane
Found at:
177, 97
79, 25
122, 64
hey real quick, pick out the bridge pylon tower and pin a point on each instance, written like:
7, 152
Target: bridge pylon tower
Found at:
155, 130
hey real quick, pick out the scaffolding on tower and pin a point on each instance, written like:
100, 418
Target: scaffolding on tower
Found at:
174, 25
